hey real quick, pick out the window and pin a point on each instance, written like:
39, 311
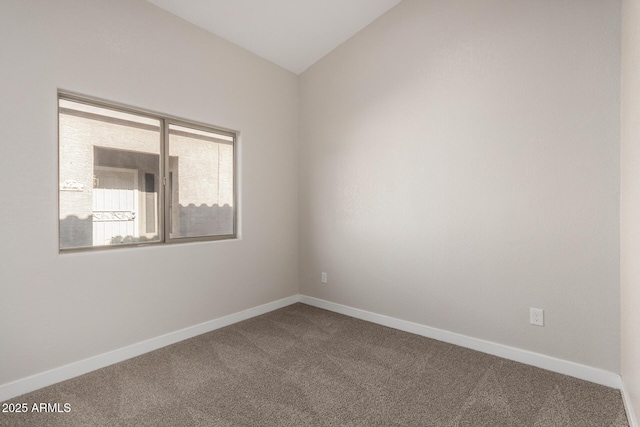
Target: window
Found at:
128, 177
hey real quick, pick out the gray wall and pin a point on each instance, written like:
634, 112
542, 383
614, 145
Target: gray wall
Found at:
630, 202
459, 163
57, 309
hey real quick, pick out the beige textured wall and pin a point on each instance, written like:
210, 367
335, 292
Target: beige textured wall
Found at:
459, 163
57, 309
630, 202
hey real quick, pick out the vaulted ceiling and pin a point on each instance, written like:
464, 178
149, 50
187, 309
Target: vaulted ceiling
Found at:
291, 33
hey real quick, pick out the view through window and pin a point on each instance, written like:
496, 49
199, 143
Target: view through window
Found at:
133, 178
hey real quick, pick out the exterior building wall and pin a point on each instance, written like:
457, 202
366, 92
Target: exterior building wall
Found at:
85, 144
203, 195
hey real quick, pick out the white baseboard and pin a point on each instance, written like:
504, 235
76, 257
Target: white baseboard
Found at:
549, 363
37, 381
628, 407
34, 382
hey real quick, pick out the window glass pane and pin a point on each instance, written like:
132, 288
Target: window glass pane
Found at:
109, 169
201, 195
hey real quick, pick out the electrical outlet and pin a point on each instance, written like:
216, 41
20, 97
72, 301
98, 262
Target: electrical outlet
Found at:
323, 277
536, 316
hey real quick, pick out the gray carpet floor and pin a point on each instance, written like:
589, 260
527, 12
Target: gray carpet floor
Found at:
303, 366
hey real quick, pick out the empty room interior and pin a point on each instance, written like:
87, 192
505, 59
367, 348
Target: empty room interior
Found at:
433, 218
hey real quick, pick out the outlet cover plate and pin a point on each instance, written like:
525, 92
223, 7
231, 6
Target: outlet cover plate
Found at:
536, 316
